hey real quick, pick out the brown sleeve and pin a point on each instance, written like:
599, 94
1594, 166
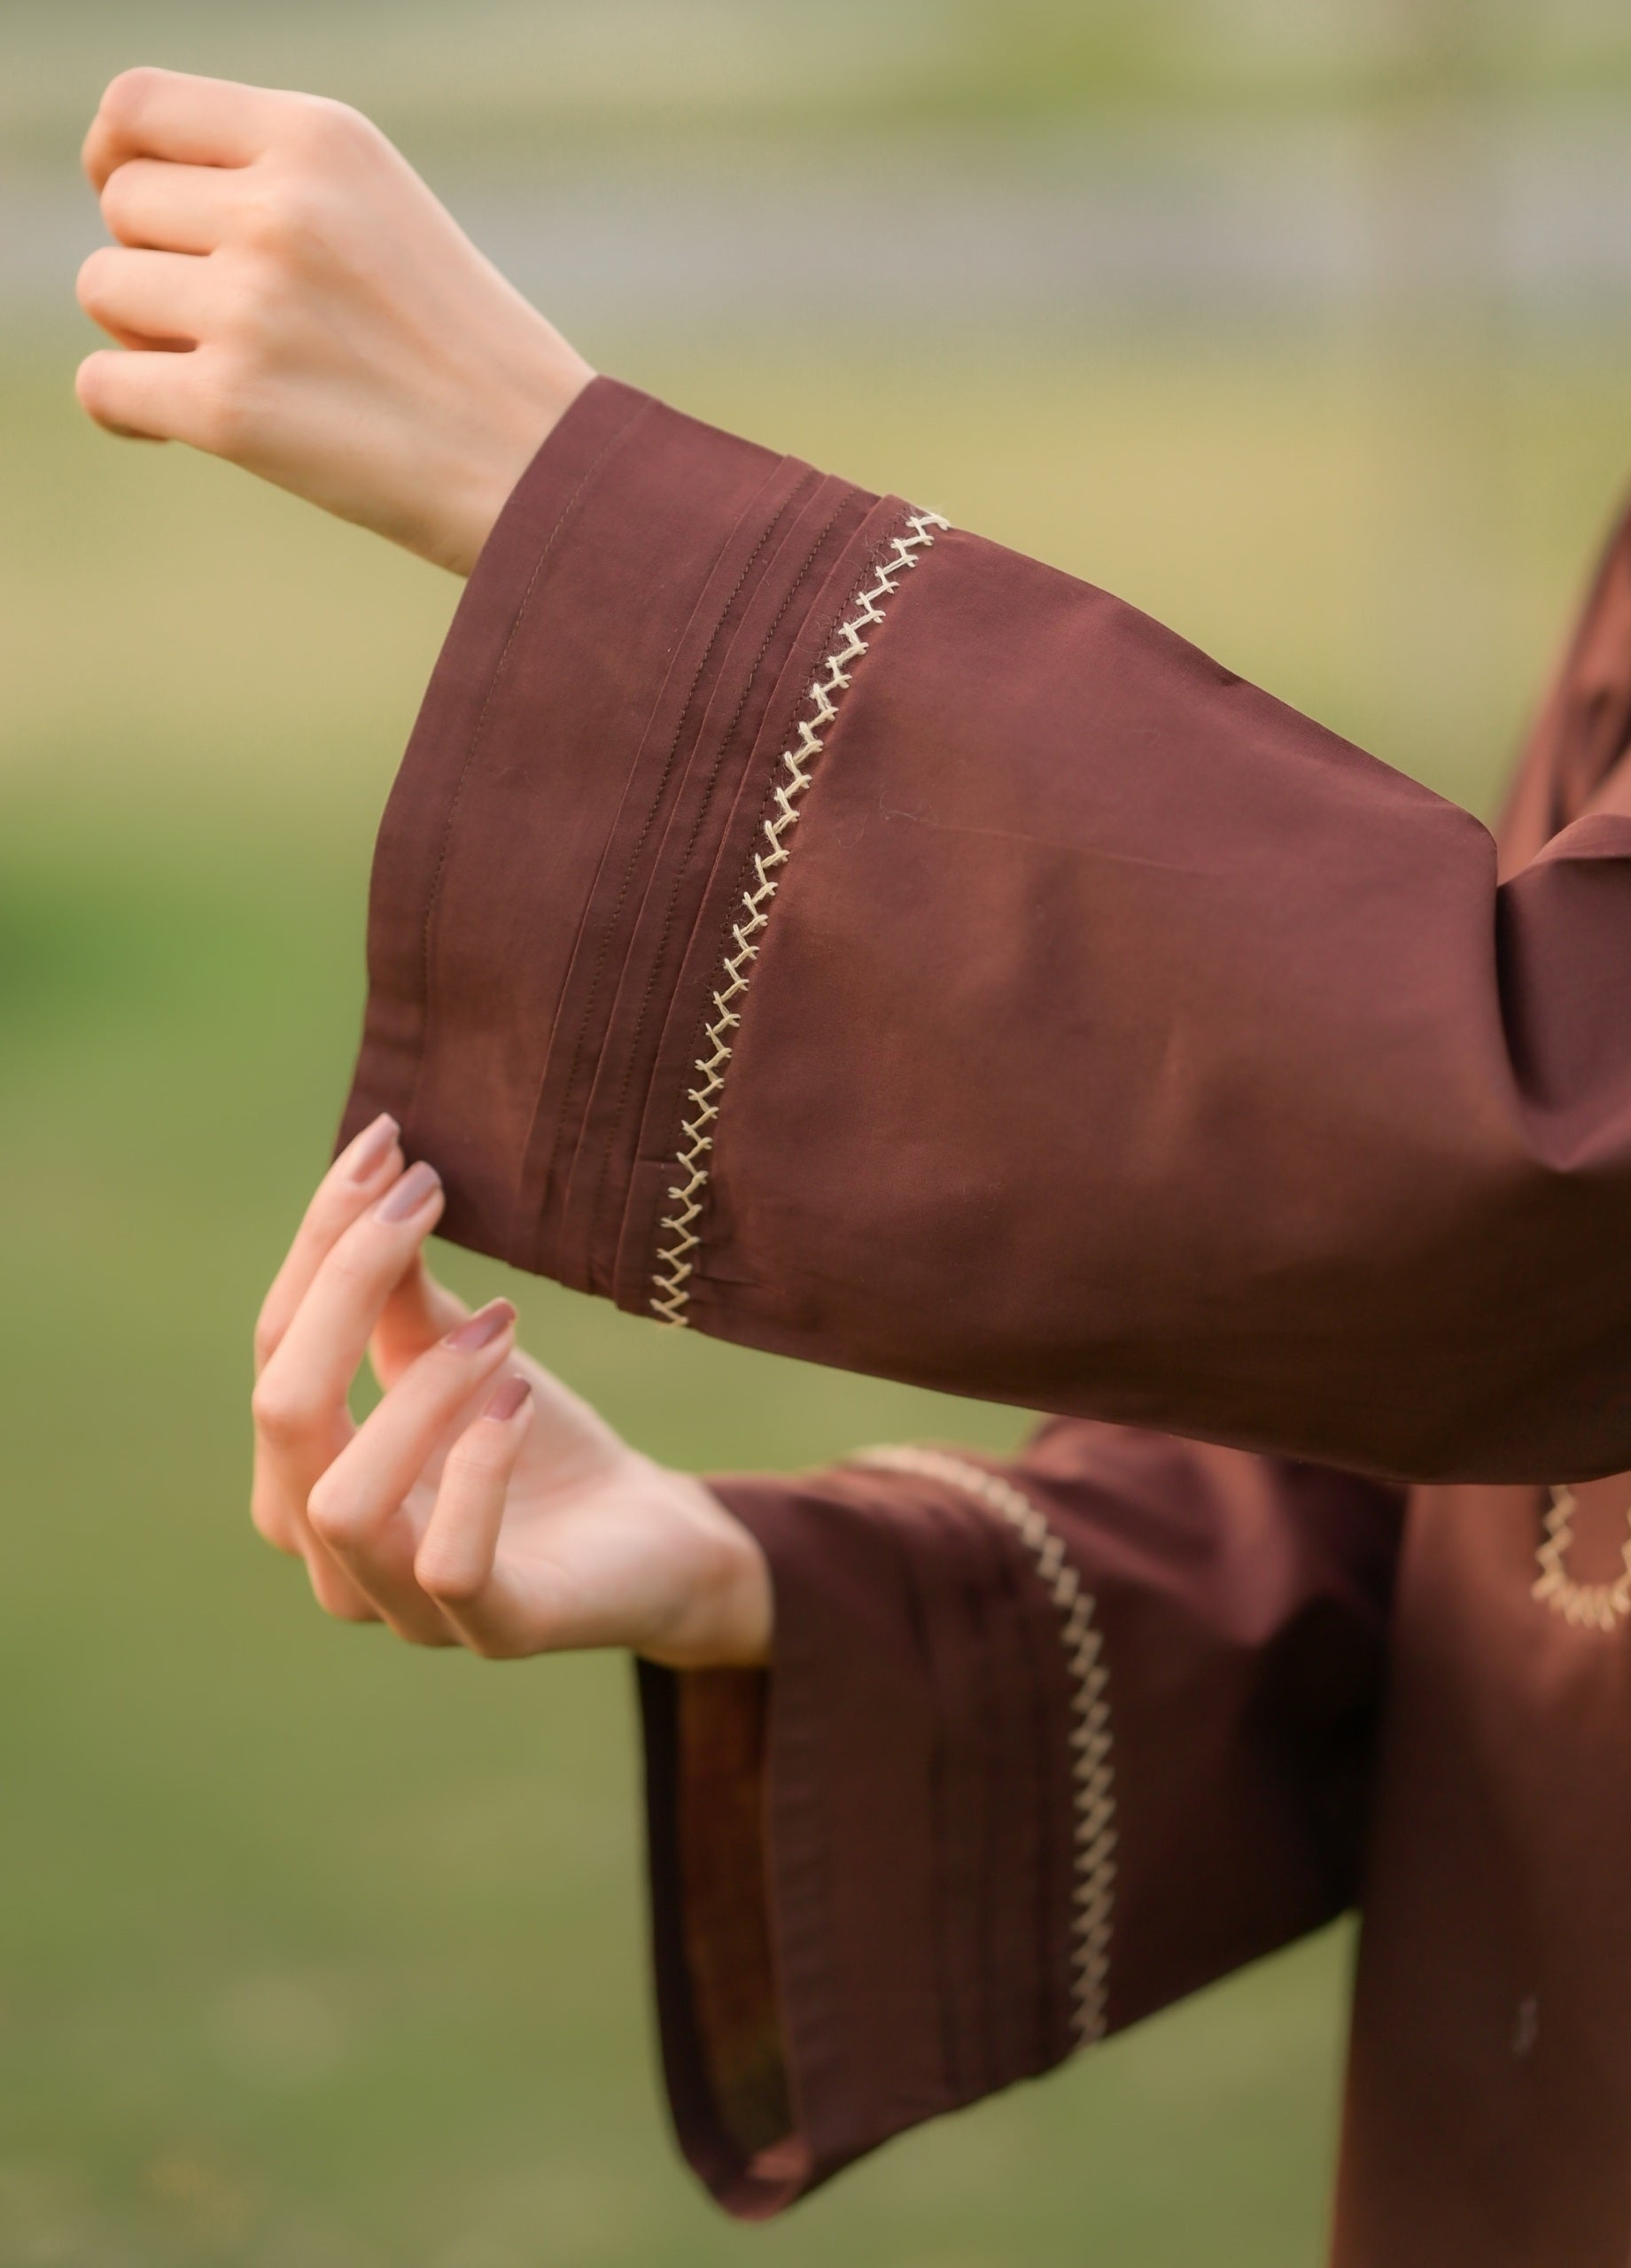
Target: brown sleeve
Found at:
1571, 765
833, 931
1045, 1748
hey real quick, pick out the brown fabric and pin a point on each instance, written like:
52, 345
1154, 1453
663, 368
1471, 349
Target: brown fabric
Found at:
729, 1968
722, 2052
1316, 1112
918, 1858
1489, 2114
1124, 1044
1489, 2099
1570, 767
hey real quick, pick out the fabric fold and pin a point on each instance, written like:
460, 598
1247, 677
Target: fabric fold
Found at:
1116, 1041
646, 612
783, 889
940, 1845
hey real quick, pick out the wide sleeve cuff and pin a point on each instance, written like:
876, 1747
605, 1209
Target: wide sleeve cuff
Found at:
864, 1862
1044, 1748
561, 862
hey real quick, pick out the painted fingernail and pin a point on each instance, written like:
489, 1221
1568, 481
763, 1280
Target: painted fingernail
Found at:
373, 1147
511, 1398
482, 1329
414, 1189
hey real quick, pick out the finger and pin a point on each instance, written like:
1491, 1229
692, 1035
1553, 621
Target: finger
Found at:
148, 395
277, 1507
158, 207
285, 1468
336, 1592
362, 1487
304, 1387
358, 1178
456, 1564
151, 113
282, 1523
278, 1511
418, 1312
300, 1404
356, 1509
148, 297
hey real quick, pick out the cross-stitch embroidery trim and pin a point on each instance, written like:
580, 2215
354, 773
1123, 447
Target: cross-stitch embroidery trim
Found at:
676, 1259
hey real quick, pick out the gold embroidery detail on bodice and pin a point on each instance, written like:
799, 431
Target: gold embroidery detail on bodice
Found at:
1590, 1606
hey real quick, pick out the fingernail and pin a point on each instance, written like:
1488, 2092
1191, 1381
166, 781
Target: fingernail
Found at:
373, 1147
417, 1187
482, 1329
511, 1398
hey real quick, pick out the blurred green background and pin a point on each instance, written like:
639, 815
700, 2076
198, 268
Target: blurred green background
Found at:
1302, 325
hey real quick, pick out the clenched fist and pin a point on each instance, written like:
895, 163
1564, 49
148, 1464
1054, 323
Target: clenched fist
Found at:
289, 295
481, 1503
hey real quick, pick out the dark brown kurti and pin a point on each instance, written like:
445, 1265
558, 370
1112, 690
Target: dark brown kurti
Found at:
805, 921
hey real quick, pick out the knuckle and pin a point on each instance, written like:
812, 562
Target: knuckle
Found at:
268, 1333
96, 278
225, 408
90, 385
115, 201
334, 1510
480, 1464
321, 124
354, 1264
127, 96
280, 1413
448, 1579
284, 209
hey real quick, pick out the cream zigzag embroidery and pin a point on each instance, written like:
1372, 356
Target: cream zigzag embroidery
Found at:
675, 1262
1591, 1606
1091, 1739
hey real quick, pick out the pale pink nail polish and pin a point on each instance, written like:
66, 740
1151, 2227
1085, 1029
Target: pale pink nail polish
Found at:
416, 1188
374, 1147
482, 1329
510, 1399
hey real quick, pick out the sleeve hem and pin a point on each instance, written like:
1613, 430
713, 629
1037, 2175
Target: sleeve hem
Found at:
585, 775
917, 1834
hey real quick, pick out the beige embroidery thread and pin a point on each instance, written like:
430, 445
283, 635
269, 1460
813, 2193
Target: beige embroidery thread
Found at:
1092, 1740
1590, 1606
675, 1261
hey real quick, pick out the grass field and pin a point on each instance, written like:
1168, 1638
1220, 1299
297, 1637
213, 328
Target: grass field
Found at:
315, 1953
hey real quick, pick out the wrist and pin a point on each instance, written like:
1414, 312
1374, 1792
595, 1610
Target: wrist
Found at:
747, 1611
723, 1613
489, 459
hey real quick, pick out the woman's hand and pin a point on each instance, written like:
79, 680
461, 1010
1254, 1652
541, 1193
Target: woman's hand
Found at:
479, 1504
292, 297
